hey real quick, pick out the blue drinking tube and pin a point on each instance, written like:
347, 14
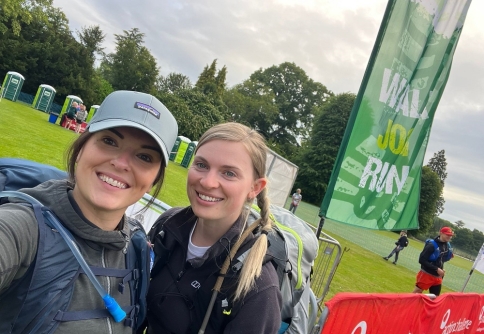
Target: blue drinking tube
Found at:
111, 305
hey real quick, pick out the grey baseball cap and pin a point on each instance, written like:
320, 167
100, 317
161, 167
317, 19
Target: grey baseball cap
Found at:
137, 110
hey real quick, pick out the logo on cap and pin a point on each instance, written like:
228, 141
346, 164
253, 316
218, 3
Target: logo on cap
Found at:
147, 108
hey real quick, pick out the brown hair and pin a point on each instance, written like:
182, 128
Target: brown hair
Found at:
256, 147
76, 147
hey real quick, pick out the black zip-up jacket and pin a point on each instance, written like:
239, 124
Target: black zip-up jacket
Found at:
180, 290
431, 267
402, 241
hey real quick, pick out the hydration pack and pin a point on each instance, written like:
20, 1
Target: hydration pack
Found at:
55, 269
293, 248
435, 255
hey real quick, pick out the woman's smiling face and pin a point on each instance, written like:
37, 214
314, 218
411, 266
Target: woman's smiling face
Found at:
220, 180
115, 168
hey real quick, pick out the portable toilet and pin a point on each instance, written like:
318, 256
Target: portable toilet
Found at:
67, 105
180, 153
91, 112
44, 98
189, 154
12, 85
174, 150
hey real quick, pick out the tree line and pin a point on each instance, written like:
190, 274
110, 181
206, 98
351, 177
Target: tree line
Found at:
301, 118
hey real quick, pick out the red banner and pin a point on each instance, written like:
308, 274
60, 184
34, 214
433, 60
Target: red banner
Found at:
356, 313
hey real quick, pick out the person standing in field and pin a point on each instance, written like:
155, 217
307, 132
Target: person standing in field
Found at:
71, 114
80, 117
296, 199
401, 243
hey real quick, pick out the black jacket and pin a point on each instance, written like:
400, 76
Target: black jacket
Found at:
402, 241
431, 267
180, 291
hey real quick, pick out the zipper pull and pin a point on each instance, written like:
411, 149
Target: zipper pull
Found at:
180, 274
126, 244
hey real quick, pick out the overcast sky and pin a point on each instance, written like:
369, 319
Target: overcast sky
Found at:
331, 40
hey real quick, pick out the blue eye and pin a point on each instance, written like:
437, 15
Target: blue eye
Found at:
230, 174
200, 165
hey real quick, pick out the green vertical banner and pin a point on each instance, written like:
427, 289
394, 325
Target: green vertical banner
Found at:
376, 177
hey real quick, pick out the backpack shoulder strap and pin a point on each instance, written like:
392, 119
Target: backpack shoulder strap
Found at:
162, 246
138, 260
158, 224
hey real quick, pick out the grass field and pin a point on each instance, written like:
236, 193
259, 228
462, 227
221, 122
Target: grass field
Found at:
26, 133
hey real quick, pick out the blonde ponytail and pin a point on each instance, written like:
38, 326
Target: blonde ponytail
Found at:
252, 267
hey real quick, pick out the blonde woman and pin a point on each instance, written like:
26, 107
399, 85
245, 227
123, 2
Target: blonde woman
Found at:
192, 243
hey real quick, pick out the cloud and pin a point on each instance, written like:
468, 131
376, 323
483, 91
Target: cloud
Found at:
330, 40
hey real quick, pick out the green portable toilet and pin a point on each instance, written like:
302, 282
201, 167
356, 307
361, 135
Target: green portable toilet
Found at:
189, 153
12, 85
174, 150
91, 112
67, 105
180, 153
44, 98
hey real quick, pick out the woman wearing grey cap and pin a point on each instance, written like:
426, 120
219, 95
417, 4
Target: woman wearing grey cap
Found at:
121, 156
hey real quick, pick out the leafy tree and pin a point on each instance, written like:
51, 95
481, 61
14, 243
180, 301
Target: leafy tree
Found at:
46, 52
317, 159
92, 38
173, 83
193, 111
438, 164
464, 240
220, 81
15, 13
430, 190
459, 224
131, 66
212, 84
296, 96
246, 106
100, 87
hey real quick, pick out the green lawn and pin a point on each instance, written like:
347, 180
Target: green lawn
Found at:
26, 133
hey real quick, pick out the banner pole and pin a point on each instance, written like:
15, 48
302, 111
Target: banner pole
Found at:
476, 262
467, 280
320, 227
